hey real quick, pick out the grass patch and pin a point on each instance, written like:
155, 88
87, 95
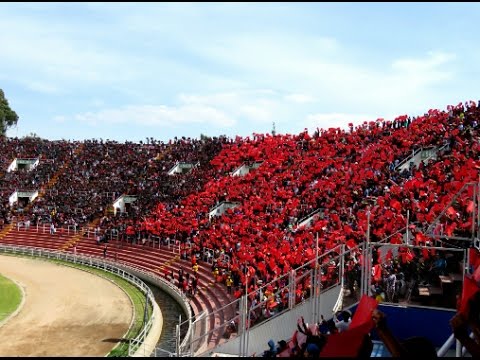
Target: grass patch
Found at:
10, 297
137, 297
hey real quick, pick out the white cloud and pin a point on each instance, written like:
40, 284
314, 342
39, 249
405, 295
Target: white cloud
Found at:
97, 102
433, 60
423, 72
158, 115
222, 111
335, 74
252, 106
257, 113
59, 119
44, 88
299, 98
239, 77
61, 55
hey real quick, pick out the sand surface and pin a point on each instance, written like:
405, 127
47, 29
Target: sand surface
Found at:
67, 312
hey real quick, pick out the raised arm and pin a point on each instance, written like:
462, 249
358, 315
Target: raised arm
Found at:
460, 330
391, 342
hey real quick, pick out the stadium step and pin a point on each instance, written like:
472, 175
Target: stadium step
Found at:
6, 230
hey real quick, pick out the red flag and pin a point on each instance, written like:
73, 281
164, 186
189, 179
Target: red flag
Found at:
476, 274
397, 239
389, 255
474, 257
420, 238
272, 304
396, 205
470, 206
350, 243
409, 256
363, 314
470, 288
377, 273
450, 228
335, 346
451, 212
261, 266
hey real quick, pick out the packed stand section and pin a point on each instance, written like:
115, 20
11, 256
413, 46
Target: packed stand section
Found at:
104, 170
52, 155
346, 175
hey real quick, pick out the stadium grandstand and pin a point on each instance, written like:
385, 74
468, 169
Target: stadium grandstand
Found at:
343, 242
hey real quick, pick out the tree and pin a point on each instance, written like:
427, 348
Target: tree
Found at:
32, 135
8, 117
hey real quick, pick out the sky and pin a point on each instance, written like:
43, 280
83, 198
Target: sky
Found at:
131, 71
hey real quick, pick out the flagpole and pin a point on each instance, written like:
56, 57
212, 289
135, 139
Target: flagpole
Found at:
477, 207
315, 283
247, 333
368, 225
246, 315
473, 212
362, 267
365, 257
408, 231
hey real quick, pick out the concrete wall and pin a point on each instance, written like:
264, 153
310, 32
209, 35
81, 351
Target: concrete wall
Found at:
430, 153
153, 335
165, 286
12, 166
13, 198
119, 205
222, 208
162, 284
242, 170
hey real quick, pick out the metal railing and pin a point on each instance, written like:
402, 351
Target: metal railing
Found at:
408, 158
313, 213
231, 315
460, 350
430, 152
95, 262
45, 228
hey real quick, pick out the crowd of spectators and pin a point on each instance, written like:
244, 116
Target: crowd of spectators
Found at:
349, 177
82, 180
345, 173
51, 156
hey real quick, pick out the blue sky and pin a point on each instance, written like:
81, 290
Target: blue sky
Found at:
128, 71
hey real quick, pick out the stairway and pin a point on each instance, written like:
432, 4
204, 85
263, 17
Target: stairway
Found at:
53, 180
79, 235
6, 229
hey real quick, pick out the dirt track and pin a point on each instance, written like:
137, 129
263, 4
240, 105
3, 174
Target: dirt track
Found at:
67, 312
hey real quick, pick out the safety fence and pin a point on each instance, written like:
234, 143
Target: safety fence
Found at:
99, 263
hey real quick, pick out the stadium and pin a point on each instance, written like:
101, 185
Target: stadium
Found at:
251, 234
343, 241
